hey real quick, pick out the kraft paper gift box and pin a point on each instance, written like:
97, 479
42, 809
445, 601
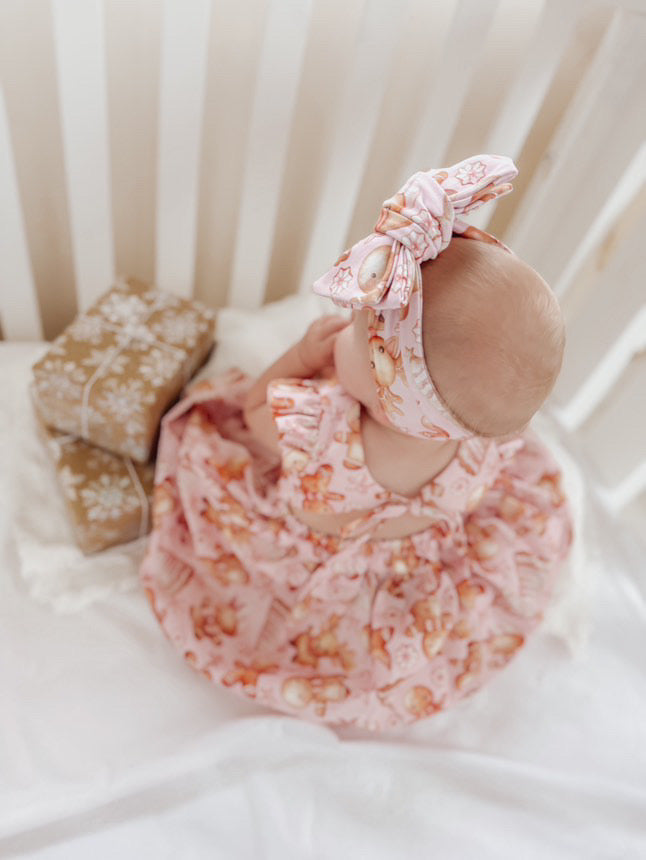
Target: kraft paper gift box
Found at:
108, 497
111, 375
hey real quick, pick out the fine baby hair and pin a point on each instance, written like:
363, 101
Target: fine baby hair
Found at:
493, 335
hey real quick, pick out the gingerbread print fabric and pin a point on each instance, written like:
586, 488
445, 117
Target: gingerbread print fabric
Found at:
343, 630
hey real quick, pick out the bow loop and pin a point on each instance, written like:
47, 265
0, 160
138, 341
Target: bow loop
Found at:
368, 274
415, 224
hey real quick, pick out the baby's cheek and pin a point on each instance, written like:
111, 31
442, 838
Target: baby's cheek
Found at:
338, 352
352, 363
370, 389
343, 358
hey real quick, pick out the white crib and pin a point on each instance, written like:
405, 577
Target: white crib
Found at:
229, 151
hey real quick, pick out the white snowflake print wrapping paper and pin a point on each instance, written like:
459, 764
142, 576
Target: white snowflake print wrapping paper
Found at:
108, 498
111, 375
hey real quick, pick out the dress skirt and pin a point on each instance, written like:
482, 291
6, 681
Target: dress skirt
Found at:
376, 634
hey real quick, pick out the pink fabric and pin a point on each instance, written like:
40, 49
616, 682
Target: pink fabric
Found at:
346, 630
382, 272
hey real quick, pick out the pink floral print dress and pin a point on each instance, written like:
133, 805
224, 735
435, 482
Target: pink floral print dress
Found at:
343, 629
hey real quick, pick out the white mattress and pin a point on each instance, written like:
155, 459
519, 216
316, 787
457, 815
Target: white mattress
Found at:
110, 745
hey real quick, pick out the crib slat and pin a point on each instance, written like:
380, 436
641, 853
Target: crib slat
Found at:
439, 114
625, 491
279, 70
606, 317
517, 114
602, 130
80, 63
354, 129
612, 439
630, 184
19, 308
604, 375
184, 50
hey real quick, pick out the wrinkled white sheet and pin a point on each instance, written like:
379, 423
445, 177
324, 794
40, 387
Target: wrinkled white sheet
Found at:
111, 746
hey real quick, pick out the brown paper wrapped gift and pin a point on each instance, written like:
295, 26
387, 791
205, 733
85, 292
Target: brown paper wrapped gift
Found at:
111, 375
108, 497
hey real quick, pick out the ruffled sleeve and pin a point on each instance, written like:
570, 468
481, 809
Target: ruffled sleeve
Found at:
298, 410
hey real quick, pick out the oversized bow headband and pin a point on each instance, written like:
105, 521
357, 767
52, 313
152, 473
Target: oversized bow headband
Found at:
382, 272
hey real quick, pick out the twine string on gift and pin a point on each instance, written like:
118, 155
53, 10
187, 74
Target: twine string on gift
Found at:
55, 445
141, 493
133, 329
144, 504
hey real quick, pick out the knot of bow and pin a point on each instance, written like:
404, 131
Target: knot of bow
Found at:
415, 224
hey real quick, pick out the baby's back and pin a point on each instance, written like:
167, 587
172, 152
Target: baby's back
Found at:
402, 468
340, 466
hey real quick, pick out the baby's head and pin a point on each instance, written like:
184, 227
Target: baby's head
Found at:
492, 333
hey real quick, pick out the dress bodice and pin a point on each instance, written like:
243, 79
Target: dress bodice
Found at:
324, 468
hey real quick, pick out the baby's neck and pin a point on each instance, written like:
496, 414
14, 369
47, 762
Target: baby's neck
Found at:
414, 461
394, 439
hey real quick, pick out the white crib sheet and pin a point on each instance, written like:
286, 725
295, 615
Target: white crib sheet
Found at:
112, 746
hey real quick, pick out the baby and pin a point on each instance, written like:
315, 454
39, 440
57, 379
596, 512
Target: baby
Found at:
367, 533
493, 340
